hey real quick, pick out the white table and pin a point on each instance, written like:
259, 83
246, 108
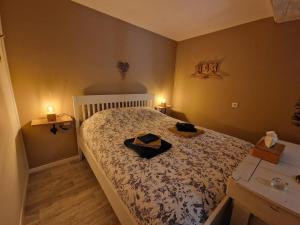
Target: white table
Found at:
252, 194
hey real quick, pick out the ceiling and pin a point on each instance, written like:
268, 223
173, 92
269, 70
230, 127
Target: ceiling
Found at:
183, 19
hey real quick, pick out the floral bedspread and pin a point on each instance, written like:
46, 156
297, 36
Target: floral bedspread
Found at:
180, 186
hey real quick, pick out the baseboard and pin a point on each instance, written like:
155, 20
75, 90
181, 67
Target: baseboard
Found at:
24, 200
53, 164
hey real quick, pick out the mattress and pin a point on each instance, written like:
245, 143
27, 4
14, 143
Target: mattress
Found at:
181, 186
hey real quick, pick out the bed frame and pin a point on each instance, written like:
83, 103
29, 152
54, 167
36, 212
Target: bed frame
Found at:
85, 107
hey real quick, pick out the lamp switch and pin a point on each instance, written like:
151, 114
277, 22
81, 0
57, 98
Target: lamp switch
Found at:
234, 105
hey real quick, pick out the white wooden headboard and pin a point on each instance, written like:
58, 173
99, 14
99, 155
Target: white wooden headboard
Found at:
85, 106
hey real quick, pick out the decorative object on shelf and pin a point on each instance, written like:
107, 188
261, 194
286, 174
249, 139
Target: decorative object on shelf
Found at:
123, 68
296, 117
209, 69
51, 116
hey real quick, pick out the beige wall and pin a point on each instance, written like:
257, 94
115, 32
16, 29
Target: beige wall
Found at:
262, 60
57, 49
13, 164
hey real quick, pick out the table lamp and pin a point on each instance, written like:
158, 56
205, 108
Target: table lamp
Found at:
163, 102
51, 116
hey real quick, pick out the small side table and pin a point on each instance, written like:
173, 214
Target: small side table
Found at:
253, 196
60, 119
162, 109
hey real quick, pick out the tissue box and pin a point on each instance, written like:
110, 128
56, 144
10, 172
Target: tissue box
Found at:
269, 154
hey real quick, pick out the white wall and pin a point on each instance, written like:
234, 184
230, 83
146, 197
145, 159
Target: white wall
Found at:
13, 163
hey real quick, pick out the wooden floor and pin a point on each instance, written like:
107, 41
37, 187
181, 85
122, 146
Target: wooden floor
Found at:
67, 195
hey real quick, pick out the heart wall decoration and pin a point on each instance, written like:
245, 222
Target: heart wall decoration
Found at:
123, 68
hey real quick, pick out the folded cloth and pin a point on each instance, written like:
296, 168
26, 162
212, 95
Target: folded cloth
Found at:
147, 138
186, 134
186, 127
154, 144
146, 152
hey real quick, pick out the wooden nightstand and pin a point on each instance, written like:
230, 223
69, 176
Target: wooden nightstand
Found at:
253, 197
162, 109
60, 120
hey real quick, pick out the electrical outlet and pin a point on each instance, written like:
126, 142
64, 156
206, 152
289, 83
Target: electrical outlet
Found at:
234, 105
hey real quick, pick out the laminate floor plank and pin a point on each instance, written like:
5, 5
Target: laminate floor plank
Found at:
67, 195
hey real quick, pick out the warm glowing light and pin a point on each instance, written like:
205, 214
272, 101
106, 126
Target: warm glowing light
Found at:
163, 100
50, 109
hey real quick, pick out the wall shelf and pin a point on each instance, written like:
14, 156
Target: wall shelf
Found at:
59, 120
162, 109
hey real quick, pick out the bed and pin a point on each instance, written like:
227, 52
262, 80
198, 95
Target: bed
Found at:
185, 185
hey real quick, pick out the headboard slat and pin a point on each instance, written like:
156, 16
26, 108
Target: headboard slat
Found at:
93, 109
88, 110
83, 111
90, 104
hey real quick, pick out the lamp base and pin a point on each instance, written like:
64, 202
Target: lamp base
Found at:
51, 117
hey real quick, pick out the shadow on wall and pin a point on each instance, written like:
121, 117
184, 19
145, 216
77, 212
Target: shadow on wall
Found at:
220, 127
253, 137
116, 87
179, 115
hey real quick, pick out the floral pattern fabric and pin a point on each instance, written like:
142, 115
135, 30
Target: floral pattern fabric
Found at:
180, 186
